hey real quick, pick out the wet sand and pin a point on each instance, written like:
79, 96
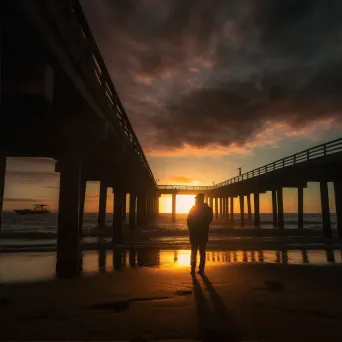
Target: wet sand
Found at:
234, 302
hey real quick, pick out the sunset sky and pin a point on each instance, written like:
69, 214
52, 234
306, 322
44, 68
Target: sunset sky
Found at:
210, 86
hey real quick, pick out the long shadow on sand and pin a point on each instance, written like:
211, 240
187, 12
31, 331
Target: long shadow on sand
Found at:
213, 325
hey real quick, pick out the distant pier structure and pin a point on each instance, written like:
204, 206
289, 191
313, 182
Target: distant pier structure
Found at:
322, 164
58, 101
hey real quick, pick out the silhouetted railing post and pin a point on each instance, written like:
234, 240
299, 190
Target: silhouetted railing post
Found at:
274, 208
132, 205
256, 210
174, 207
242, 210
325, 209
2, 183
68, 238
338, 202
117, 217
300, 207
249, 207
102, 204
280, 208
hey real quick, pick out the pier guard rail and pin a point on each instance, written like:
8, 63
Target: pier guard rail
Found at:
68, 19
318, 151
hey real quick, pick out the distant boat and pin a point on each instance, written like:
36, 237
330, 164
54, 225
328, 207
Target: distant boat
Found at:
36, 210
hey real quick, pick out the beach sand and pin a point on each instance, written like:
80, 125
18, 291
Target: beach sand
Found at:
234, 302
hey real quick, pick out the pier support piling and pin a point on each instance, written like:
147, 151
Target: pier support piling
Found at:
300, 207
124, 204
249, 207
117, 217
338, 202
173, 207
257, 209
232, 208
280, 208
242, 210
2, 184
325, 209
274, 208
216, 207
82, 201
141, 208
132, 205
68, 239
102, 205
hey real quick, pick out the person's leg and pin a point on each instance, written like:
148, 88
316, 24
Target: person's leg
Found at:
202, 247
194, 247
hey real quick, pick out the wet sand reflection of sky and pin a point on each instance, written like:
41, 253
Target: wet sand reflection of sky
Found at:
41, 266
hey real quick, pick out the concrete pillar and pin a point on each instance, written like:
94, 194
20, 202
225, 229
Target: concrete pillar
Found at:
102, 205
274, 208
305, 257
2, 155
82, 200
216, 207
225, 206
242, 210
68, 239
124, 201
257, 209
141, 208
174, 207
325, 209
157, 205
232, 208
280, 208
338, 203
117, 216
132, 205
2, 184
300, 207
221, 206
249, 207
210, 202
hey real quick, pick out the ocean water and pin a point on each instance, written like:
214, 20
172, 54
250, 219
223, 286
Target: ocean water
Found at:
41, 230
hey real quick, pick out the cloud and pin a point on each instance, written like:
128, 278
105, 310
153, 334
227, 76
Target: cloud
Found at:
201, 74
181, 180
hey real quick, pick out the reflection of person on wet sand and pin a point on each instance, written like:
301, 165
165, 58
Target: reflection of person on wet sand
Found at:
199, 218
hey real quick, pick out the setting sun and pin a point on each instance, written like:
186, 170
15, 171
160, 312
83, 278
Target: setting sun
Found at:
183, 203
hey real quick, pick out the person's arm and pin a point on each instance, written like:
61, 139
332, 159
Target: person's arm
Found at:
190, 218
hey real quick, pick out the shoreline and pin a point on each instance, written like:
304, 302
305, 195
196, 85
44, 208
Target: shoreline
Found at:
233, 244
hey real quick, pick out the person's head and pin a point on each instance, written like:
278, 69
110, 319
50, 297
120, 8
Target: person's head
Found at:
199, 198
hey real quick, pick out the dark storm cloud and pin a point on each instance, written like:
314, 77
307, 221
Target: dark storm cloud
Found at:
204, 72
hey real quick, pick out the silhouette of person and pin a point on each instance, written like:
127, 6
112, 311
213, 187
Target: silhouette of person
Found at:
199, 219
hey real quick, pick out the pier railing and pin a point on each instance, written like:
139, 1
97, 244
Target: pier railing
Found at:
316, 152
184, 187
69, 21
